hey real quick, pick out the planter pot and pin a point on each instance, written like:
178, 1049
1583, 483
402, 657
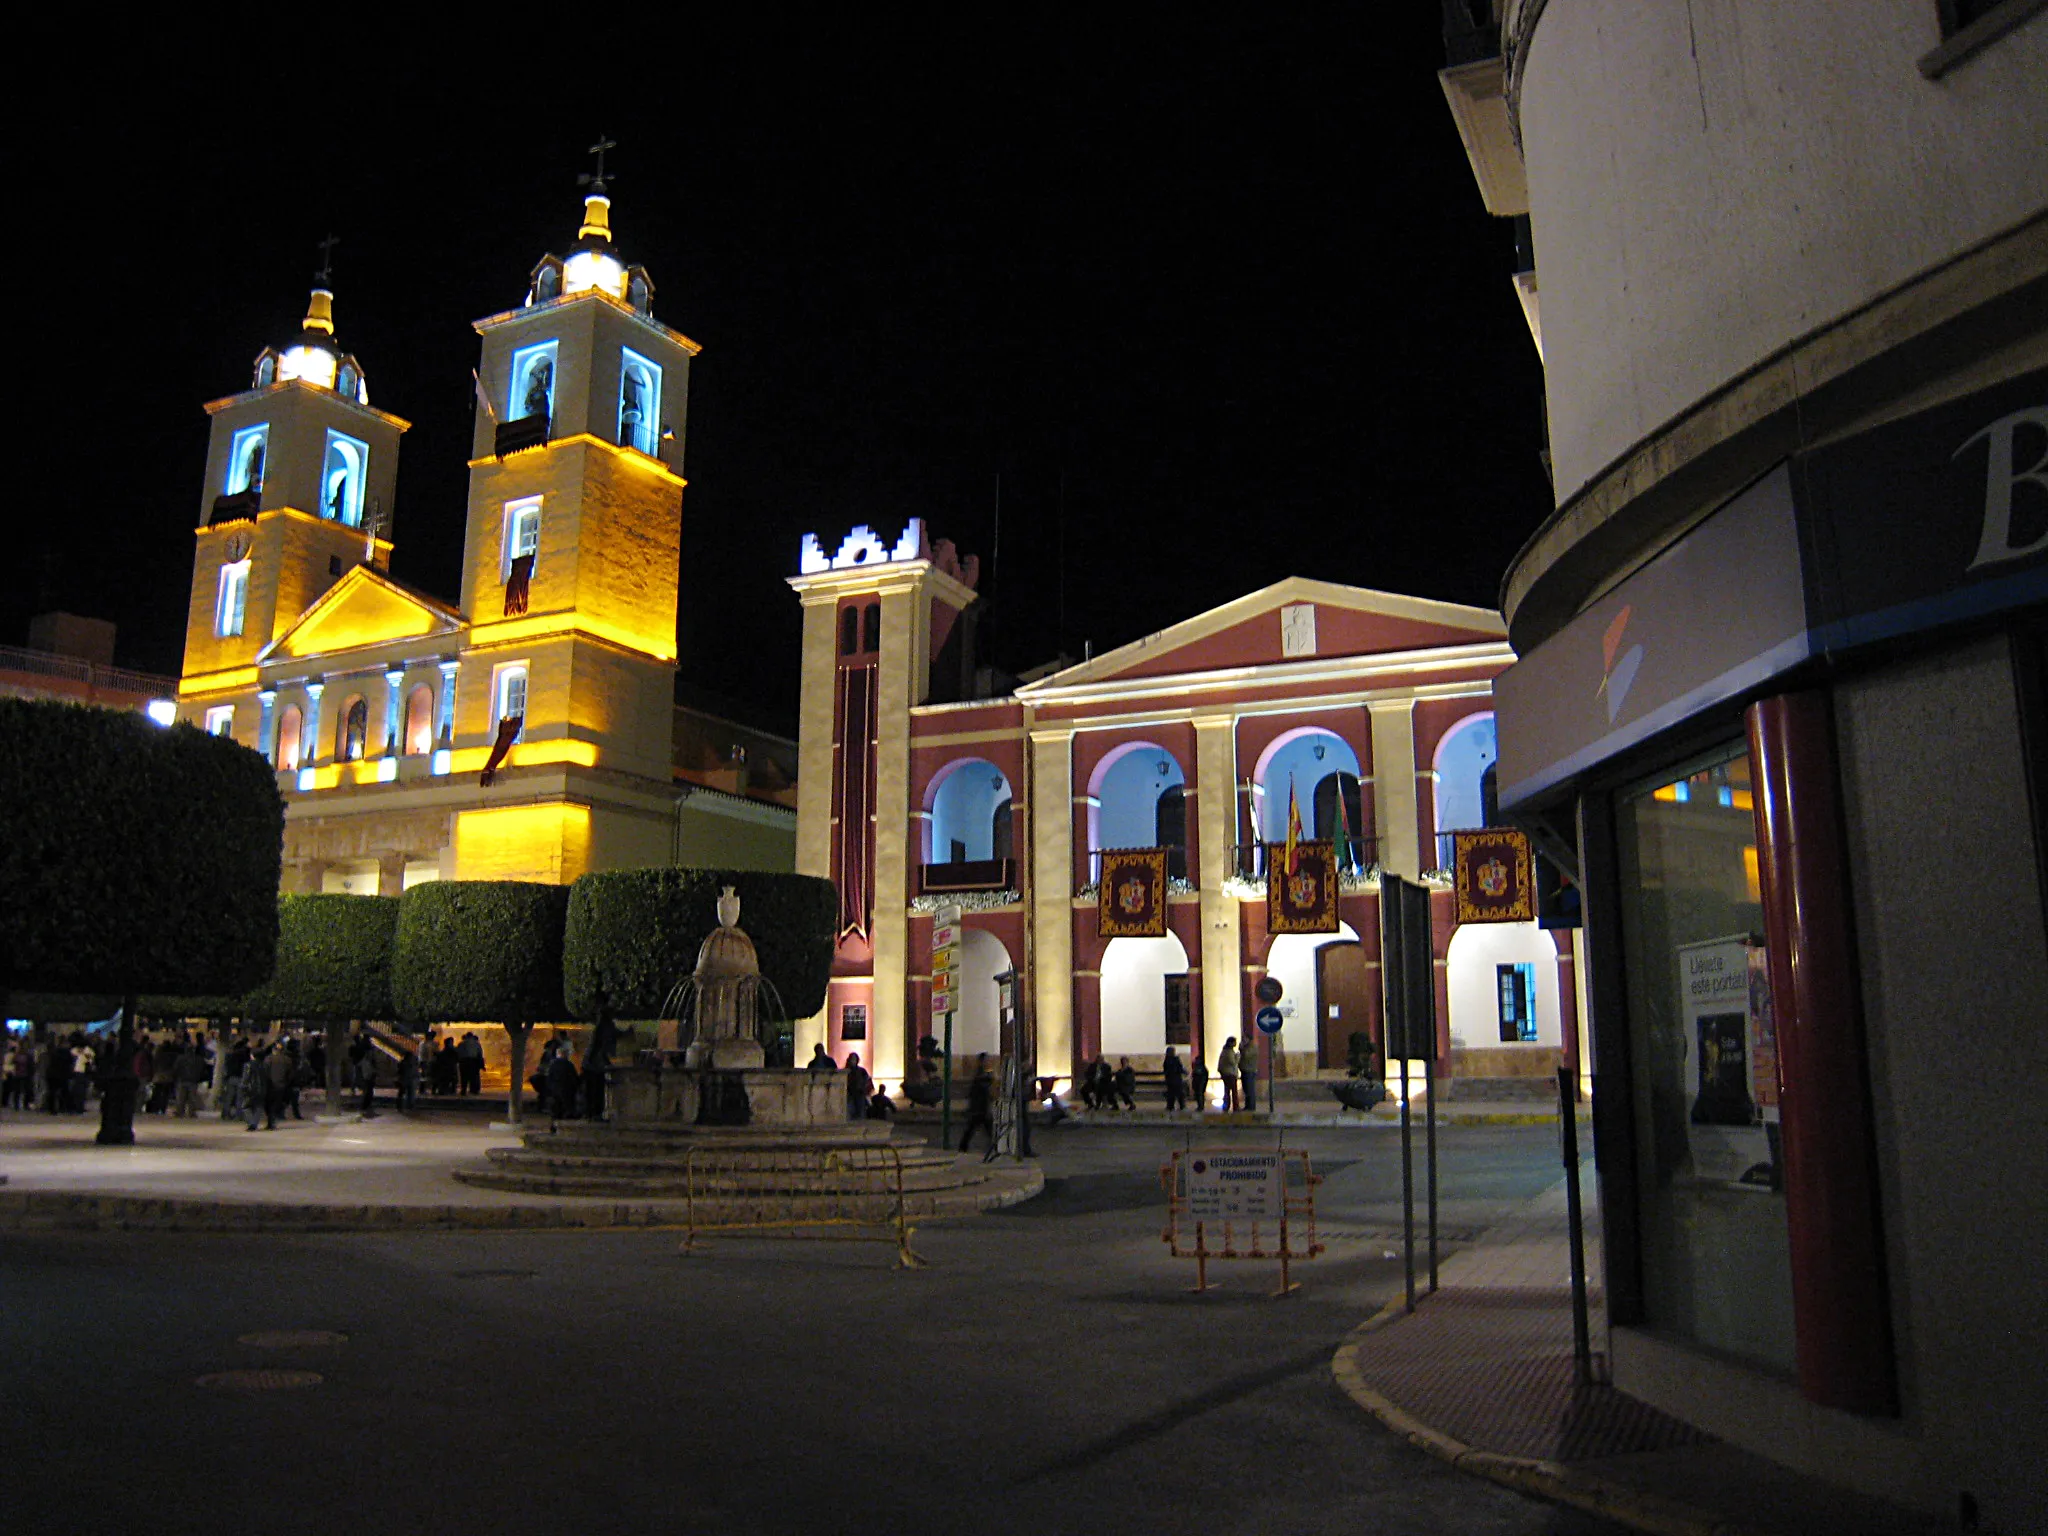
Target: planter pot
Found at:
1359, 1092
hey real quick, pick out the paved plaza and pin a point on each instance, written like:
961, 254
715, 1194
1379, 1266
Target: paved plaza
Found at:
1048, 1372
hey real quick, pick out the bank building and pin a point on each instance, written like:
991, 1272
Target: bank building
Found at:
527, 730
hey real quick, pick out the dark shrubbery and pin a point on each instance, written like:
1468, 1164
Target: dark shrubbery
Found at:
133, 858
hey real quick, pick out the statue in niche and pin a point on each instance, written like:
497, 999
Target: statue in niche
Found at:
540, 380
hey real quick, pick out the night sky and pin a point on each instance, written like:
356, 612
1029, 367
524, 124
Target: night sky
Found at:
1216, 304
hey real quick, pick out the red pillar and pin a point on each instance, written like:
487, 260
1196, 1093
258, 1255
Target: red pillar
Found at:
1839, 1297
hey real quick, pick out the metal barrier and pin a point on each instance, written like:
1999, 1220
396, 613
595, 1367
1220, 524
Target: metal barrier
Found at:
1258, 1200
855, 1193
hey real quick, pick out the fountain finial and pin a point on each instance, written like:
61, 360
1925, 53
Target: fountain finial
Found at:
729, 908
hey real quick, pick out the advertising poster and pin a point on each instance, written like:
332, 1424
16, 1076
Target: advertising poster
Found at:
1724, 1122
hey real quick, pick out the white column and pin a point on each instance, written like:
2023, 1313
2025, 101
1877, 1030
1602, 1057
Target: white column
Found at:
1393, 787
1221, 960
264, 742
394, 682
444, 738
309, 742
1051, 812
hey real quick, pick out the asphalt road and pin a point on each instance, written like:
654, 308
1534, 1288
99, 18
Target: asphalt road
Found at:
1049, 1372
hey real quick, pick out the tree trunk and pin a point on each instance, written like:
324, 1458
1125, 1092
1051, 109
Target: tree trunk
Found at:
519, 1033
117, 1085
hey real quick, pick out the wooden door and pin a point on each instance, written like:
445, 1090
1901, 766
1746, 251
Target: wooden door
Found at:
1343, 1001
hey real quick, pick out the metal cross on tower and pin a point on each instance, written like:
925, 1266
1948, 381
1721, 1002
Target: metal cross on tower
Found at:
595, 179
326, 273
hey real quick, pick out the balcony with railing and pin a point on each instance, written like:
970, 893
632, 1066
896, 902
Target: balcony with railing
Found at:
968, 875
1251, 861
45, 674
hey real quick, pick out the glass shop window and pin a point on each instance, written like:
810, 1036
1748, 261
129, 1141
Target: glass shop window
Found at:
1703, 1050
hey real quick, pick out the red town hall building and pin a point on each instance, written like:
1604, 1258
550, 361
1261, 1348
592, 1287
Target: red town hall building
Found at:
1359, 706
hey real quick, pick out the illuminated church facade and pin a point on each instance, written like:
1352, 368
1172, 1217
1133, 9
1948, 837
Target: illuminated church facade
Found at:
528, 730
1352, 706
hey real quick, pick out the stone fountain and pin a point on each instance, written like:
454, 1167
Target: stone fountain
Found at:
722, 1084
718, 1092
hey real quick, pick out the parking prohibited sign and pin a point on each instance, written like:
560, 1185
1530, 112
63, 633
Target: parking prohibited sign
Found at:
1234, 1186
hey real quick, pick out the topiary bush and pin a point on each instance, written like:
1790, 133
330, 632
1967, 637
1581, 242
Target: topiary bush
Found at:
636, 933
133, 858
333, 960
476, 951
469, 951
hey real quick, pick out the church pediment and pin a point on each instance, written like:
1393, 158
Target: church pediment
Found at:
1291, 622
365, 608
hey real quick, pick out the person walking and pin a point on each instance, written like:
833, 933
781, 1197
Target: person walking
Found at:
1226, 1068
859, 1087
563, 1080
408, 1083
980, 1094
1248, 1075
1176, 1082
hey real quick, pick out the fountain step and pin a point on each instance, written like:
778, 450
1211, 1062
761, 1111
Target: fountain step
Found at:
643, 1181
635, 1161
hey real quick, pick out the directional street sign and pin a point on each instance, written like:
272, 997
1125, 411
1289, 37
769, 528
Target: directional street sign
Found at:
1269, 1020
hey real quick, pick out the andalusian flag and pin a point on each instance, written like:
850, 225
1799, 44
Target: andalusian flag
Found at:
1293, 858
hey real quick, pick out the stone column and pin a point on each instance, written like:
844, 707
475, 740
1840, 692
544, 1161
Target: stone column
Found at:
1393, 787
816, 748
390, 874
309, 737
444, 738
1221, 961
264, 742
1051, 817
394, 693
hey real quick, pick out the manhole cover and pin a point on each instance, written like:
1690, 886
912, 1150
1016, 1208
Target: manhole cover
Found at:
293, 1338
260, 1381
494, 1274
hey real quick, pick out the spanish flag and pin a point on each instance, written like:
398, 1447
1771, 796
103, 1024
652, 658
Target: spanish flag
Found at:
1292, 862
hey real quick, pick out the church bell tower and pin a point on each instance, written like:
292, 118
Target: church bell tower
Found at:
300, 473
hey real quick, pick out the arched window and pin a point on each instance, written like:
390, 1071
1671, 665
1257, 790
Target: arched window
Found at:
874, 627
1298, 763
849, 631
639, 403
1140, 801
969, 803
640, 293
341, 479
419, 721
266, 370
291, 725
355, 730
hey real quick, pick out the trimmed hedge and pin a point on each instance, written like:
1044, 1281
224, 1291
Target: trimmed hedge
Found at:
333, 959
479, 951
133, 858
636, 933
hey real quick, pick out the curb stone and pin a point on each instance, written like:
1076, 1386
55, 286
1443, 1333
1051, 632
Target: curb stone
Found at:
1554, 1481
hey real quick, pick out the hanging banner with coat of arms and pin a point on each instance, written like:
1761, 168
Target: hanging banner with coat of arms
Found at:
1493, 876
1305, 900
1132, 901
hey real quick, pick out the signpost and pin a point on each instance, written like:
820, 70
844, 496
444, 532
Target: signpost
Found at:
1269, 1020
945, 991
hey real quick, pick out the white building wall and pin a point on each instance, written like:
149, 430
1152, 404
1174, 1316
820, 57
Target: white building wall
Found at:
1710, 181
